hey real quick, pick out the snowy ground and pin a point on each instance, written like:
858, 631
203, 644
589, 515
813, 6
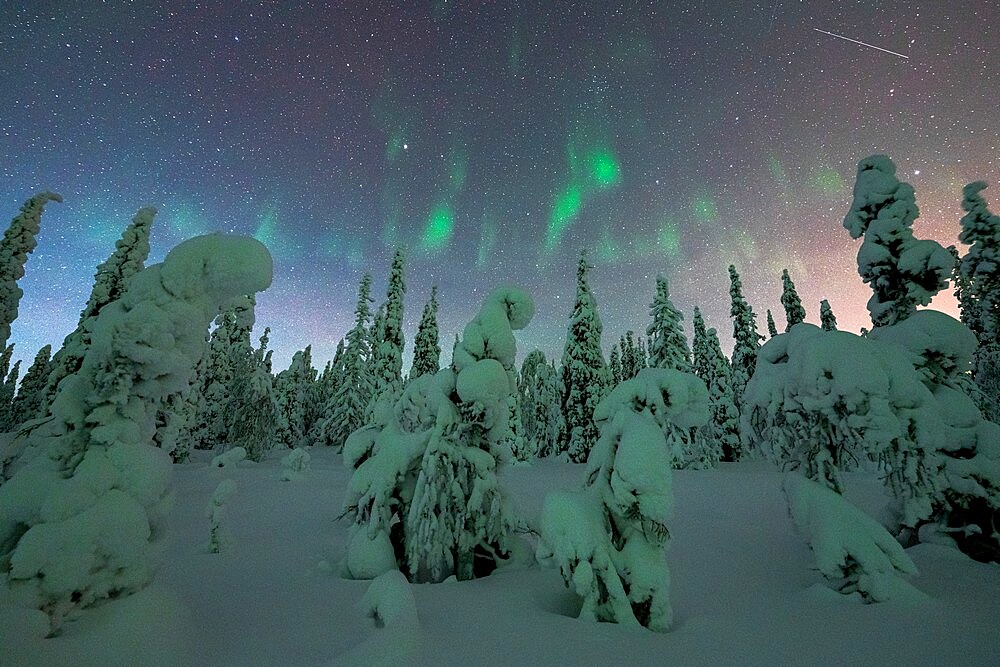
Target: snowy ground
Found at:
744, 590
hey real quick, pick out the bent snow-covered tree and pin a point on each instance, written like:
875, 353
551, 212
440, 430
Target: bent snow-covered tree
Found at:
902, 271
609, 540
88, 491
18, 242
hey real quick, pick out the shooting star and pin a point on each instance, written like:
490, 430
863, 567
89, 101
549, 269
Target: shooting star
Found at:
870, 46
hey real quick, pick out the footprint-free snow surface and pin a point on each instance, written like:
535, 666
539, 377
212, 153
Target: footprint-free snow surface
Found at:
744, 589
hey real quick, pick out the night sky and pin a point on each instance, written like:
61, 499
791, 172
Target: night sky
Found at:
493, 141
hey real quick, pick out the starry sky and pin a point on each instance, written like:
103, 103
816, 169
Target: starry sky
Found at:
492, 140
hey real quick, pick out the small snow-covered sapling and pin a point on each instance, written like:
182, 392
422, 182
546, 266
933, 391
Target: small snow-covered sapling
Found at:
219, 534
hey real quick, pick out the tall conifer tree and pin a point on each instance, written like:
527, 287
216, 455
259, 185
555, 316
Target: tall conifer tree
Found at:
584, 371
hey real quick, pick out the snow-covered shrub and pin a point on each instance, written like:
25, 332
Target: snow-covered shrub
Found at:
609, 540
295, 465
853, 552
824, 401
229, 458
219, 536
389, 601
963, 456
89, 490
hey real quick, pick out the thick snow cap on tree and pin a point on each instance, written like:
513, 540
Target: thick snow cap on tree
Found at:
941, 346
903, 272
89, 489
609, 540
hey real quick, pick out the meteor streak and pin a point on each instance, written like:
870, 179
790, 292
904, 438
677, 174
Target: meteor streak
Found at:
870, 46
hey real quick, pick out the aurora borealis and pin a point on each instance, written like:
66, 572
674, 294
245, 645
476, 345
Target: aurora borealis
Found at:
493, 141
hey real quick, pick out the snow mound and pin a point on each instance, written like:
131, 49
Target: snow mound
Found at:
229, 458
295, 464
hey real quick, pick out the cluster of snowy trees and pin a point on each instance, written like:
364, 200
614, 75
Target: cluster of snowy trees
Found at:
143, 379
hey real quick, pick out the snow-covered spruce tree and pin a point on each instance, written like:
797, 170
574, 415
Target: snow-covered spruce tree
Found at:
252, 416
459, 522
668, 348
794, 312
7, 391
772, 330
719, 439
631, 358
949, 477
424, 496
207, 428
828, 321
344, 412
902, 271
387, 349
110, 281
17, 243
615, 365
609, 540
89, 490
746, 340
539, 395
980, 273
584, 372
426, 349
29, 396
822, 402
527, 397
293, 393
321, 391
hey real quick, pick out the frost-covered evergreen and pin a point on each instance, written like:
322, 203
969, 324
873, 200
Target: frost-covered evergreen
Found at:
426, 349
424, 496
633, 357
207, 428
746, 340
89, 490
794, 312
609, 540
584, 372
829, 401
7, 391
252, 415
29, 395
980, 274
772, 330
668, 348
615, 365
293, 388
387, 348
110, 282
902, 271
17, 243
820, 402
828, 321
344, 412
719, 439
538, 390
